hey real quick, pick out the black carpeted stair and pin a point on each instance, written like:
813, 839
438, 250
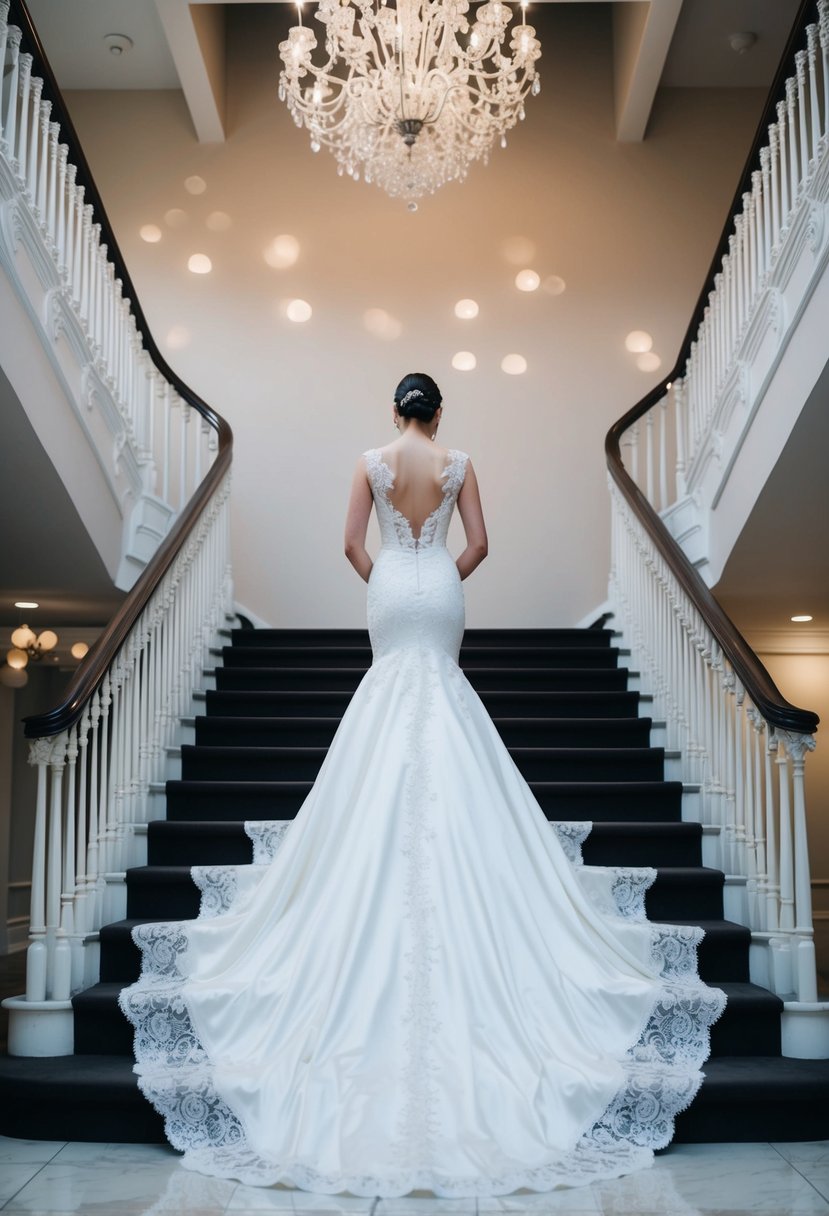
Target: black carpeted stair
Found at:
560, 701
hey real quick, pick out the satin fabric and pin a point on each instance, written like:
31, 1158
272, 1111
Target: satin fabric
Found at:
419, 989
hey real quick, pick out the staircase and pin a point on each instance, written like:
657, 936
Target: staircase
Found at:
581, 737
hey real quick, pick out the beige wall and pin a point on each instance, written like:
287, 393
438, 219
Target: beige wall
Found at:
629, 227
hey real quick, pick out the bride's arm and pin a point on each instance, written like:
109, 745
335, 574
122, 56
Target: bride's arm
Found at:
472, 516
356, 522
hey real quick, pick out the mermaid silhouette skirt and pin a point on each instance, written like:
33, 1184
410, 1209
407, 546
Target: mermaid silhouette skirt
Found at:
418, 983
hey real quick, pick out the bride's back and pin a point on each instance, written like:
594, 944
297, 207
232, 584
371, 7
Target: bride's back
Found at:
418, 470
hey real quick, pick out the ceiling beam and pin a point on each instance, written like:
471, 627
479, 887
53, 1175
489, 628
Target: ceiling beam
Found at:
196, 37
642, 33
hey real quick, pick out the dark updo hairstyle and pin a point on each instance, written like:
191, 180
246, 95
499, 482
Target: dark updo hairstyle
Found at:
417, 396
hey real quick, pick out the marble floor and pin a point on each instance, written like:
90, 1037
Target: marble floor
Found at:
139, 1180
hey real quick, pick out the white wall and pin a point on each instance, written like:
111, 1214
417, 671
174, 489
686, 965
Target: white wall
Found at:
629, 227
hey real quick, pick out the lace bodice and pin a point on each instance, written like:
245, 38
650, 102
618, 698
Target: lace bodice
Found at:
395, 528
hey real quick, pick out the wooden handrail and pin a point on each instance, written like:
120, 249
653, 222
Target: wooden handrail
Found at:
765, 695
93, 668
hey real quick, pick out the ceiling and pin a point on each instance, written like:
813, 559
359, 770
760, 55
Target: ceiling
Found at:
676, 43
47, 553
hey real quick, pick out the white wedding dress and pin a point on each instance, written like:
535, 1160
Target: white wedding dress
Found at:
417, 983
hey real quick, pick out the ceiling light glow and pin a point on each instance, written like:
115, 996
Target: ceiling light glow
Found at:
527, 280
554, 284
648, 362
26, 604
218, 221
282, 252
79, 650
464, 361
178, 337
514, 365
467, 310
638, 341
199, 263
802, 618
151, 233
195, 184
299, 311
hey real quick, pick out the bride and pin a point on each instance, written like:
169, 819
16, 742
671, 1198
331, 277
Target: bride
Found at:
417, 984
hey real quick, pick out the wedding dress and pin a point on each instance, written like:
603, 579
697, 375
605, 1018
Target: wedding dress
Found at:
417, 983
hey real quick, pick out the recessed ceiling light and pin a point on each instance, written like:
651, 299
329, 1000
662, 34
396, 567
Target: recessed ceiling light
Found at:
151, 233
299, 311
218, 221
195, 184
26, 604
514, 365
464, 361
199, 263
282, 252
648, 361
466, 309
802, 618
175, 217
527, 280
638, 341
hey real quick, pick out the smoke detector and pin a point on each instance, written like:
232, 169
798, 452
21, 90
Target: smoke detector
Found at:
118, 44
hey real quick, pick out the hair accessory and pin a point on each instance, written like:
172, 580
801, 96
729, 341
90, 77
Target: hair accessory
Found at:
410, 396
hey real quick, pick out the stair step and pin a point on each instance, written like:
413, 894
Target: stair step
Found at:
525, 704
495, 679
96, 1098
169, 892
524, 638
224, 842
209, 762
652, 801
516, 732
471, 657
750, 1022
758, 1098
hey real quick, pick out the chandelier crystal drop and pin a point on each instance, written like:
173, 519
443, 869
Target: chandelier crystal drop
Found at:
409, 96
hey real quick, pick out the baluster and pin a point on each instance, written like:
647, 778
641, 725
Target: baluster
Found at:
800, 61
67, 898
60, 967
62, 205
36, 137
93, 893
78, 213
649, 455
786, 860
50, 217
81, 841
37, 953
86, 241
9, 127
24, 121
4, 41
785, 175
823, 35
776, 185
791, 134
805, 967
814, 103
184, 418
633, 432
773, 886
765, 172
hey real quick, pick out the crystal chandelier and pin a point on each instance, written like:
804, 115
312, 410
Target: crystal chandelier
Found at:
409, 96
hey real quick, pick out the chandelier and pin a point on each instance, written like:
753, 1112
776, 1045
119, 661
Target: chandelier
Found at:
409, 96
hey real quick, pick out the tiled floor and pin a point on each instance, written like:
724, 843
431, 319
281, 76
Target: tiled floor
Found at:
130, 1179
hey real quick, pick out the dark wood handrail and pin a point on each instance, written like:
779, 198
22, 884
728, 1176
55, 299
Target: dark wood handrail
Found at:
765, 695
94, 667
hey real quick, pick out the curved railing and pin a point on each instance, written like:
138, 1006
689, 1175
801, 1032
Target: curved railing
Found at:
102, 749
743, 744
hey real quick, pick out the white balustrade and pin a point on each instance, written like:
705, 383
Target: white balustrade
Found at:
791, 182
750, 773
94, 778
36, 177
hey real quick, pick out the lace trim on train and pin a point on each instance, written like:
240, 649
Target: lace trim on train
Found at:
662, 1070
